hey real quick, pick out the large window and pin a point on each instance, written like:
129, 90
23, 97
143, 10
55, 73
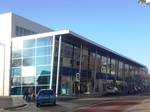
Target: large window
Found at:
92, 61
31, 64
43, 60
120, 70
43, 51
16, 71
16, 54
16, 62
98, 63
44, 41
28, 80
85, 58
104, 64
43, 70
108, 65
20, 31
126, 70
29, 43
113, 66
28, 52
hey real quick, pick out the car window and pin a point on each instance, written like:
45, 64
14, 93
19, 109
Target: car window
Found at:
46, 92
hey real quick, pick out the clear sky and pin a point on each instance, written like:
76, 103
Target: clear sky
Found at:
121, 25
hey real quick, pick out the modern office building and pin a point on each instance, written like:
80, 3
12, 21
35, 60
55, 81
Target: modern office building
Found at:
37, 57
11, 26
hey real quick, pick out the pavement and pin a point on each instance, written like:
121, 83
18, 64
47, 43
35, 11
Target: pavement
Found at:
8, 103
144, 106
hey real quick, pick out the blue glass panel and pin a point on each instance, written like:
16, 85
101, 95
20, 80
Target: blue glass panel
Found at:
28, 52
29, 43
16, 53
16, 81
43, 60
43, 70
28, 62
44, 51
44, 41
16, 72
16, 63
43, 80
28, 80
15, 90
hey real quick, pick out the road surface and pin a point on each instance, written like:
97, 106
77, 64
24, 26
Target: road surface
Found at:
102, 104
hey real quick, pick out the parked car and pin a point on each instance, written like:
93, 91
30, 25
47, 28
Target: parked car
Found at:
112, 91
45, 97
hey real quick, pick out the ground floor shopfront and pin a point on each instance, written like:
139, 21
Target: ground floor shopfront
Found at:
69, 64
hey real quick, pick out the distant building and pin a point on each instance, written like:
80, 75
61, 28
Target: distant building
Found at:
38, 57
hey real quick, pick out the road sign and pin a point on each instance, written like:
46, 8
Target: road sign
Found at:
77, 76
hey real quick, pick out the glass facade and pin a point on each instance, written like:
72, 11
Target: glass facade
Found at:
98, 69
31, 64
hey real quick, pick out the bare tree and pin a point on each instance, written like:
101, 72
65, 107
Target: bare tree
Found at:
144, 2
141, 1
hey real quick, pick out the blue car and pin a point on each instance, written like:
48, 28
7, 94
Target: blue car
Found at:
45, 97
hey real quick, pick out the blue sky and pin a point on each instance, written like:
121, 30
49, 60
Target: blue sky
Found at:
121, 25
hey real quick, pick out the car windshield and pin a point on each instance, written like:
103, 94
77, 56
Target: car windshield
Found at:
46, 92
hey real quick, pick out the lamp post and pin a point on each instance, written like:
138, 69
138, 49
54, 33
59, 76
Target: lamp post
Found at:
3, 65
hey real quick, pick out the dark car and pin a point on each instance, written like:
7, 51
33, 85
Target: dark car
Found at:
45, 97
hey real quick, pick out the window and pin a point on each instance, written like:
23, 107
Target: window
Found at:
16, 53
85, 58
28, 61
104, 65
43, 70
16, 72
108, 65
43, 60
113, 63
16, 81
131, 70
44, 51
28, 80
120, 70
16, 63
44, 41
41, 87
43, 80
29, 43
20, 31
15, 90
28, 52
92, 61
98, 63
126, 70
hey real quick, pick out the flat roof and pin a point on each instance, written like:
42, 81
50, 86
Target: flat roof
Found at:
67, 31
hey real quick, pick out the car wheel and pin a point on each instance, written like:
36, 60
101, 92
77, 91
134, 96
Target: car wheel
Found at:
37, 105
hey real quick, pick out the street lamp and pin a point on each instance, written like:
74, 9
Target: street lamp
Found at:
3, 65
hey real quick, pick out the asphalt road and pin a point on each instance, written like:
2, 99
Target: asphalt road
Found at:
107, 104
